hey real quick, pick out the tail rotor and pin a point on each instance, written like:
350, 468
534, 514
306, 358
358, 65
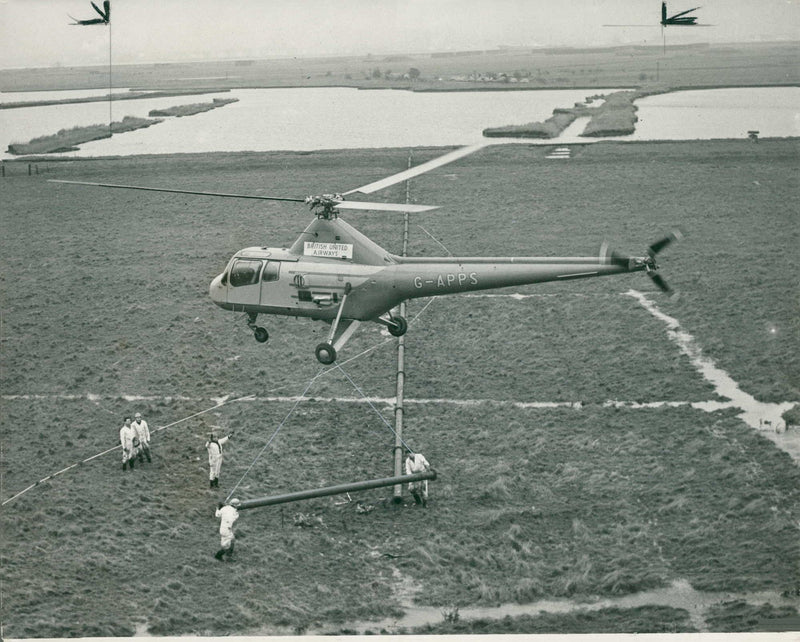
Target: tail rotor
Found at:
646, 263
650, 264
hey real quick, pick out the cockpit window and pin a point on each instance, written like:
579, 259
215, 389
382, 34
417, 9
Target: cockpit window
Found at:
245, 272
271, 271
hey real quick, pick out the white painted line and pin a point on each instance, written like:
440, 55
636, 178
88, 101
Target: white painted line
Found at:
754, 412
706, 406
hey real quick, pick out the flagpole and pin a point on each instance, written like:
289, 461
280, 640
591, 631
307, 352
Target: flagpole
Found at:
110, 119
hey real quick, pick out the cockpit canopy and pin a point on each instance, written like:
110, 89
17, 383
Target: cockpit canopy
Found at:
251, 271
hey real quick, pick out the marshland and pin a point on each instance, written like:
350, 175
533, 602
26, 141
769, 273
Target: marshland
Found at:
545, 491
604, 459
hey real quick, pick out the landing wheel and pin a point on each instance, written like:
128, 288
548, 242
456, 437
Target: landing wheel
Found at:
326, 353
399, 328
261, 334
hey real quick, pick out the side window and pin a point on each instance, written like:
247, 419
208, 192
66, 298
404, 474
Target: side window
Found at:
245, 272
271, 271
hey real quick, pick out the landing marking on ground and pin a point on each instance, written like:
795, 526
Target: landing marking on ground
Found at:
754, 412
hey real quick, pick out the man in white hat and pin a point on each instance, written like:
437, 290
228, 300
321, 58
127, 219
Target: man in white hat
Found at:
143, 433
227, 514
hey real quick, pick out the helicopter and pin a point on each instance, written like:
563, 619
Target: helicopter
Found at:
334, 273
680, 19
104, 19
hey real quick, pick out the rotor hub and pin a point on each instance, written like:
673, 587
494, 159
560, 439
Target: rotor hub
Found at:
324, 205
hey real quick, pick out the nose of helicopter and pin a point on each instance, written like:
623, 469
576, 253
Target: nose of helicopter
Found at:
217, 291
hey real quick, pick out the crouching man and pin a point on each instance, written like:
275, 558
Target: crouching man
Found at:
227, 514
416, 463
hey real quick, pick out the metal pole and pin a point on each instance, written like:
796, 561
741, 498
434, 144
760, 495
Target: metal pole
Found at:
335, 490
110, 84
401, 375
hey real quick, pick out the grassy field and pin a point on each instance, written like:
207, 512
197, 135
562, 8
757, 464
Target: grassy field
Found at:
116, 97
616, 116
67, 140
105, 312
195, 108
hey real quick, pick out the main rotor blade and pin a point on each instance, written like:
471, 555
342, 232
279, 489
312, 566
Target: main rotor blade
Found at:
99, 10
180, 191
385, 207
678, 15
419, 169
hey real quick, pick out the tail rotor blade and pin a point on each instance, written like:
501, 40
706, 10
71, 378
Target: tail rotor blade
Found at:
661, 283
656, 247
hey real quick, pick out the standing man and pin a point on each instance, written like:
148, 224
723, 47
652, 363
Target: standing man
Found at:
416, 463
143, 433
227, 514
126, 436
214, 448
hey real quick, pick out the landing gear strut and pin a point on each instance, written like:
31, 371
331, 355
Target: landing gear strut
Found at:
326, 352
259, 332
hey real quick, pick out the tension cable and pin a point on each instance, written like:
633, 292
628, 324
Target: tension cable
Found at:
371, 405
223, 402
274, 434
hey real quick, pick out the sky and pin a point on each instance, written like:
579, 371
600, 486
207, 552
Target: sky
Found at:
37, 33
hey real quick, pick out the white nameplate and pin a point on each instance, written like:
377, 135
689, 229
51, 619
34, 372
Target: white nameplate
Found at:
330, 250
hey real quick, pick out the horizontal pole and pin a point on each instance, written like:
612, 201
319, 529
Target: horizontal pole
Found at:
335, 490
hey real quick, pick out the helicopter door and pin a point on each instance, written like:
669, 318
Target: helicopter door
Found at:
272, 271
244, 282
273, 292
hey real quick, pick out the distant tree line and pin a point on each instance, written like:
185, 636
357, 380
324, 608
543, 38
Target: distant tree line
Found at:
376, 73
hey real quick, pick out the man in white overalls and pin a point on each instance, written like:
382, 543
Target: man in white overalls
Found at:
214, 448
227, 514
143, 433
126, 435
416, 463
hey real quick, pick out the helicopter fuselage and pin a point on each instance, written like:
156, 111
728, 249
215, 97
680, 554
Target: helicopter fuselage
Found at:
311, 278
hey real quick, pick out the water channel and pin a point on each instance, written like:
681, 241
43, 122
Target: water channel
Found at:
295, 119
345, 118
679, 595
